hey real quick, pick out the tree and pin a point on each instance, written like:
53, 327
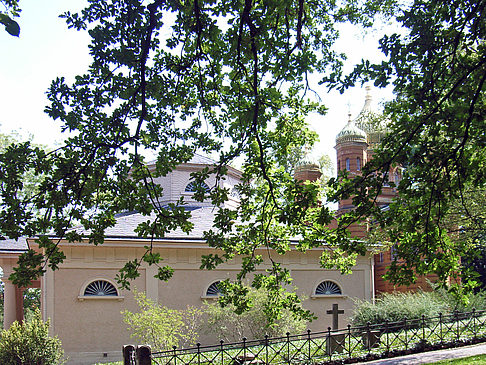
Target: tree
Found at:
252, 324
162, 327
11, 11
176, 78
437, 67
29, 343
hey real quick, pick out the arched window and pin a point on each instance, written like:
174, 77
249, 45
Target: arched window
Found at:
358, 164
192, 187
347, 165
213, 290
235, 193
100, 288
328, 287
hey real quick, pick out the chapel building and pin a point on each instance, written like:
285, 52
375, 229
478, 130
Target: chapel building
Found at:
83, 301
355, 146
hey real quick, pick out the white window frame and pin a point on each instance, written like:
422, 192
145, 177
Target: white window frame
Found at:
320, 296
205, 292
82, 297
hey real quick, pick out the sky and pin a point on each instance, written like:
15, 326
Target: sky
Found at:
47, 49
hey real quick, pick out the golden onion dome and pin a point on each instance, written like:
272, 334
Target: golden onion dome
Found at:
351, 133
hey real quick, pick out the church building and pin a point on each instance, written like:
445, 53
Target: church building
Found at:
82, 299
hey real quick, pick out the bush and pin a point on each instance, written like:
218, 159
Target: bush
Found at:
29, 344
462, 304
252, 324
161, 327
397, 306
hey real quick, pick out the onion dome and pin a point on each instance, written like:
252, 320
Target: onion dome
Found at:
371, 122
307, 168
351, 133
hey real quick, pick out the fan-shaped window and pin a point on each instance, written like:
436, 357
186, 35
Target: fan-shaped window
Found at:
213, 290
328, 288
192, 187
235, 193
100, 288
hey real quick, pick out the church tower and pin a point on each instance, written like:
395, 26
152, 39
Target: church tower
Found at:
351, 149
355, 146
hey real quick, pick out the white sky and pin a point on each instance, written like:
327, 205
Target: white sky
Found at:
46, 49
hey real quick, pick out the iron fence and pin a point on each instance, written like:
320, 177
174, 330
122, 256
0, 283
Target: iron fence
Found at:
361, 342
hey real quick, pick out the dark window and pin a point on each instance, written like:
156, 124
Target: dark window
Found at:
100, 288
358, 164
347, 165
213, 290
192, 187
328, 288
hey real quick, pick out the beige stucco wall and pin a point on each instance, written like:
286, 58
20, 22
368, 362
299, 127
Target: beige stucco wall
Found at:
95, 328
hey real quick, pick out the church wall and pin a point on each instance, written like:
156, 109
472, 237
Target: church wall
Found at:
93, 330
98, 321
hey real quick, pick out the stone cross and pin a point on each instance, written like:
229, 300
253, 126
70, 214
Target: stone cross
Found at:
335, 311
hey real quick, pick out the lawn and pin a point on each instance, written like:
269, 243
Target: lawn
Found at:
476, 360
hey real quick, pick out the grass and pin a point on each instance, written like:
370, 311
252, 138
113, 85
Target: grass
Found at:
475, 360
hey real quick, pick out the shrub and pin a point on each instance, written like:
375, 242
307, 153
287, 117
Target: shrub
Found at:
252, 324
462, 304
162, 327
397, 306
29, 343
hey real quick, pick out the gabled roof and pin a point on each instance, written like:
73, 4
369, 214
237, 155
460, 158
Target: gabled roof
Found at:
195, 160
8, 245
126, 223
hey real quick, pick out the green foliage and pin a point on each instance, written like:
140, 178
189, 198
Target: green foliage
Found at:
229, 78
161, 327
11, 10
473, 300
29, 343
436, 63
397, 306
254, 323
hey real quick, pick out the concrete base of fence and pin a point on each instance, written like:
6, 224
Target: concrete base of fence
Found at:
335, 343
371, 339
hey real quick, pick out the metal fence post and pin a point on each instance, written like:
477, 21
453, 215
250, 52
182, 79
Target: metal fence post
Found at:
329, 343
474, 322
349, 339
266, 349
440, 329
387, 336
456, 317
309, 341
423, 328
405, 328
198, 353
144, 355
288, 347
244, 348
128, 352
222, 352
368, 334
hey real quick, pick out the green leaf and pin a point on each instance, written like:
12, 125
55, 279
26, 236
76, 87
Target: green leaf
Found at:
11, 26
5, 19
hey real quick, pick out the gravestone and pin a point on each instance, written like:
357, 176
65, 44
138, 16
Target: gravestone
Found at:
335, 340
